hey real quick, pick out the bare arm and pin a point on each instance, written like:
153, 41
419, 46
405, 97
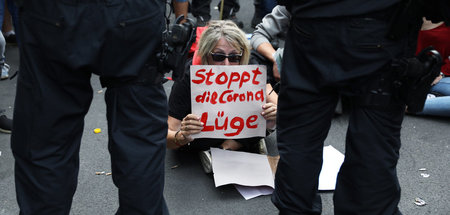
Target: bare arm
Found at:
267, 50
180, 8
273, 24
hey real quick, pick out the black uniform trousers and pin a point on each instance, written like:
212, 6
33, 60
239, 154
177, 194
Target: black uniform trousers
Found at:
323, 59
63, 43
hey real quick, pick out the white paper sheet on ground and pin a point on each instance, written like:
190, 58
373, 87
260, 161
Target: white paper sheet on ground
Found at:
248, 169
332, 161
252, 192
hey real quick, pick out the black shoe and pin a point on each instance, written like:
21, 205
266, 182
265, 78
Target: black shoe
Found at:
11, 39
230, 14
201, 21
236, 21
5, 124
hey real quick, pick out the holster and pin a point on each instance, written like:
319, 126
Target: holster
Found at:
414, 77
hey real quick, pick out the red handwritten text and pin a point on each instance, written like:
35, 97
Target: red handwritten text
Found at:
237, 123
224, 78
229, 96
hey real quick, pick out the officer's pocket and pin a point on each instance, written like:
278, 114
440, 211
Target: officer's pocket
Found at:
46, 34
136, 28
132, 42
369, 35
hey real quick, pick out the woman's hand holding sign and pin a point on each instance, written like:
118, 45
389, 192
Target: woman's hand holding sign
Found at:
191, 124
270, 114
180, 131
269, 111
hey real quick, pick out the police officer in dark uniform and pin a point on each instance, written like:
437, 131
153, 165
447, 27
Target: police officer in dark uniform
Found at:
332, 48
62, 43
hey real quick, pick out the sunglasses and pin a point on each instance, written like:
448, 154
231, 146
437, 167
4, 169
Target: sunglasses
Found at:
219, 57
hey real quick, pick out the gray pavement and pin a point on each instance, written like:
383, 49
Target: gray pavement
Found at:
188, 190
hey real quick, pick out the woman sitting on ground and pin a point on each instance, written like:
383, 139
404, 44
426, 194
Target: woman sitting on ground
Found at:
438, 36
222, 43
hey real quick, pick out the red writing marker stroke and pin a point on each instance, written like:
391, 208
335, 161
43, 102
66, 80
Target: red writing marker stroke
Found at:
229, 96
201, 76
236, 124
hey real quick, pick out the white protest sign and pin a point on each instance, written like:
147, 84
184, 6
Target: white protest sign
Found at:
229, 100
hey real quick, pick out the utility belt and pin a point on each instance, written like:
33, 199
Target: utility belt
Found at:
149, 75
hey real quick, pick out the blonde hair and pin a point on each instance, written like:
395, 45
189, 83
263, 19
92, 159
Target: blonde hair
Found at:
230, 32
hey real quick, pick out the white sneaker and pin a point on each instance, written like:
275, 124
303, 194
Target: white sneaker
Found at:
262, 148
5, 71
206, 160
